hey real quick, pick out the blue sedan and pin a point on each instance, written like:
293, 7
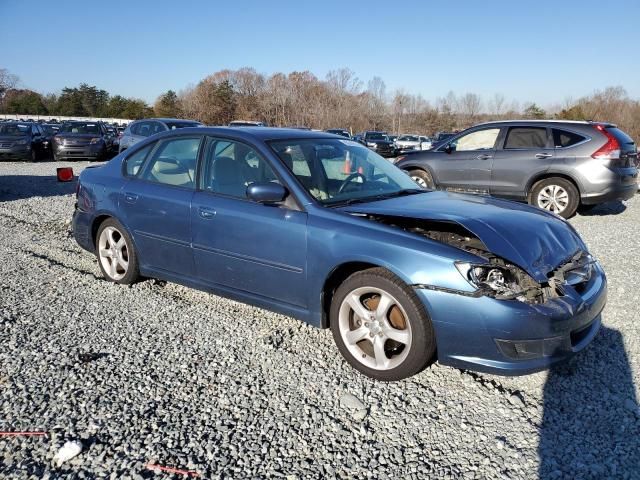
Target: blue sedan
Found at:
318, 227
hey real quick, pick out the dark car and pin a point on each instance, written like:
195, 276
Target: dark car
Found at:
379, 143
23, 141
339, 131
75, 140
325, 230
141, 129
555, 165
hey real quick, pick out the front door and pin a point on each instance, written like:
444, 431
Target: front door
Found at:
240, 244
464, 163
156, 203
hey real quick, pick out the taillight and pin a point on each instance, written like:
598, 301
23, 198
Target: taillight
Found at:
64, 174
611, 149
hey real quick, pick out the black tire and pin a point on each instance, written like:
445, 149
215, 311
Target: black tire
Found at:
573, 196
418, 175
33, 156
56, 158
422, 346
132, 273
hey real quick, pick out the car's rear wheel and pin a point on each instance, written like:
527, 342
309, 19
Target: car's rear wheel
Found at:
556, 195
34, 155
380, 326
422, 178
116, 256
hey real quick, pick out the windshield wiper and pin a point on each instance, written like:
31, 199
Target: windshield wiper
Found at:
375, 198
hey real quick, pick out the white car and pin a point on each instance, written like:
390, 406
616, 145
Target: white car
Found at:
406, 143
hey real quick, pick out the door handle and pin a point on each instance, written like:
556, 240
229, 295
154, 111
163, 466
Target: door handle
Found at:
543, 155
130, 197
484, 156
206, 213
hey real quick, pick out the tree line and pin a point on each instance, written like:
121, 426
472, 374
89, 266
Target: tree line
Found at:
340, 100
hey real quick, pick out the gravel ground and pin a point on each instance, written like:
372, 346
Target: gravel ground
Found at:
160, 374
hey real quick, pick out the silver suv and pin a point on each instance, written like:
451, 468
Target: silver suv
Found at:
141, 129
555, 165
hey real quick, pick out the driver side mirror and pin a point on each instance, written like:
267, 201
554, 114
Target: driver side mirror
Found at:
267, 192
448, 148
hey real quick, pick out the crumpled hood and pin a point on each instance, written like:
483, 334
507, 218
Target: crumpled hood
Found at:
535, 240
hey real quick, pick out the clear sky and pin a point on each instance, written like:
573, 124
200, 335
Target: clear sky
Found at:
542, 51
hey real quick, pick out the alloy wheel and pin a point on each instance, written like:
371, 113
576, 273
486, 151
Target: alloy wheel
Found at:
375, 328
113, 253
420, 181
553, 198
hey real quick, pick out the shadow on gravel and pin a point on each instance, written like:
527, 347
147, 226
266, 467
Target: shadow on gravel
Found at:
17, 187
608, 208
591, 421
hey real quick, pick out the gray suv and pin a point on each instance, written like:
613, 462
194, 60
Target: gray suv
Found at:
555, 165
141, 129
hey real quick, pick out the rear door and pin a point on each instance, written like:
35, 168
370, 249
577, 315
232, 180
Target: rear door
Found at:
467, 166
524, 152
156, 203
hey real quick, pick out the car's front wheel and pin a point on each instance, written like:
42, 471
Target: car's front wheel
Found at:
116, 256
422, 178
380, 326
556, 195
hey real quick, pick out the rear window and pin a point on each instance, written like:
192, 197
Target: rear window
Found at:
564, 138
620, 135
526, 137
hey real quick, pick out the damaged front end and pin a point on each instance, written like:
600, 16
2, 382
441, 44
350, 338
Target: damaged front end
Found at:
496, 277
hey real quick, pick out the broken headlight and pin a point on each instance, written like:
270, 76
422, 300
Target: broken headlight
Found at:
504, 282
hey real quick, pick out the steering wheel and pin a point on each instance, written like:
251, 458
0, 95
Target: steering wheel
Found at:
349, 179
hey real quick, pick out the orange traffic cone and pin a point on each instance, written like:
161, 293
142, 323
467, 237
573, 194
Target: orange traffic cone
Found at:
346, 169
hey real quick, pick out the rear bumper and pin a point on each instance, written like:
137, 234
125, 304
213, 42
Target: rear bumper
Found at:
81, 223
618, 192
511, 337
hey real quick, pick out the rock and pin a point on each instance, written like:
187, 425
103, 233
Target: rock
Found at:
351, 402
68, 451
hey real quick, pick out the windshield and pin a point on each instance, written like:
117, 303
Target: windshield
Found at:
375, 136
14, 129
336, 171
92, 128
408, 138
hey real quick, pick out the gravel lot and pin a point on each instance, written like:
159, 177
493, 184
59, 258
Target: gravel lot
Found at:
161, 374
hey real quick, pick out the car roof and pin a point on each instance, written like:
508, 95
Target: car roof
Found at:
575, 122
254, 133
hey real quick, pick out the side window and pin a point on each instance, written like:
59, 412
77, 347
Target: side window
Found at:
526, 138
156, 127
478, 140
563, 138
143, 129
230, 167
173, 162
134, 163
34, 130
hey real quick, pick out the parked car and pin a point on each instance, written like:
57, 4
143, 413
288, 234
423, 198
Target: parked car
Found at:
141, 129
408, 143
79, 139
554, 165
325, 230
51, 128
246, 123
23, 141
379, 142
339, 131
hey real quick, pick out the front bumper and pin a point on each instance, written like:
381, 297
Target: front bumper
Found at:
19, 152
80, 151
509, 337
